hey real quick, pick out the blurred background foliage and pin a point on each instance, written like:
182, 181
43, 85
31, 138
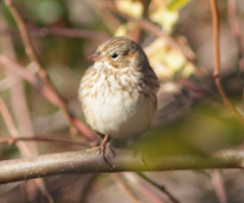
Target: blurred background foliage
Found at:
191, 117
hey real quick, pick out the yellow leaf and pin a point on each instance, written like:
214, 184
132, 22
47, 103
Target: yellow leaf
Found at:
133, 9
177, 4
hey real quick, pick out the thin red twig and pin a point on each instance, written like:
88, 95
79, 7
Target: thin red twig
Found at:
150, 27
64, 32
33, 79
30, 51
142, 187
219, 186
217, 61
12, 141
11, 128
236, 31
125, 188
161, 188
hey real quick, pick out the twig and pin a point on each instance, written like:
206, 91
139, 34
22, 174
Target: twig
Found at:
14, 132
9, 82
23, 191
34, 80
29, 48
107, 18
12, 141
22, 147
8, 119
236, 31
64, 32
148, 26
87, 183
192, 86
10, 126
217, 61
218, 184
14, 79
87, 161
21, 113
161, 188
143, 188
125, 188
42, 187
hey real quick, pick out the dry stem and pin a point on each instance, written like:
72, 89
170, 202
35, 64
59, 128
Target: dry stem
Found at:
148, 26
12, 141
34, 80
217, 61
29, 48
64, 32
161, 188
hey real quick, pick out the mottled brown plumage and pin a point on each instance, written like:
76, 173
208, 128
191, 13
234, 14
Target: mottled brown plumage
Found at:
118, 93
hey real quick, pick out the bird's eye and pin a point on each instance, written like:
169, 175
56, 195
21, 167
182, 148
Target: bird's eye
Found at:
115, 56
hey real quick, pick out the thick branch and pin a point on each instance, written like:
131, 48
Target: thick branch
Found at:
88, 161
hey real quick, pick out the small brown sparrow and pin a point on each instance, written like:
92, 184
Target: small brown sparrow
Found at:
118, 93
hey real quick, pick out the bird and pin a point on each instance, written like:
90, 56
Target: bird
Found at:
118, 93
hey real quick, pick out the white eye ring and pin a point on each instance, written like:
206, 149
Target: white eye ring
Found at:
114, 56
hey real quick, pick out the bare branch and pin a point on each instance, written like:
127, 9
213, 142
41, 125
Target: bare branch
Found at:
29, 48
236, 31
12, 141
35, 81
64, 32
125, 188
22, 146
11, 128
219, 186
150, 27
143, 188
161, 188
217, 62
87, 161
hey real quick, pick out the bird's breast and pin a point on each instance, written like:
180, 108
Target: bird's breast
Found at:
115, 105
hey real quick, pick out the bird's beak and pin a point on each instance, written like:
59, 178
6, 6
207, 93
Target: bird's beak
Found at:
96, 57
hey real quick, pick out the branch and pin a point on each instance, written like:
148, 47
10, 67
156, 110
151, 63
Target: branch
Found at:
22, 146
219, 186
87, 161
217, 62
30, 51
143, 188
236, 31
124, 187
161, 188
150, 27
35, 81
11, 127
12, 141
64, 32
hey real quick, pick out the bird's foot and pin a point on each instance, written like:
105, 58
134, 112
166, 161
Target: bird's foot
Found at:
102, 150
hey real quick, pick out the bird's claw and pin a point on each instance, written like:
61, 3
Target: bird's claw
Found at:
102, 150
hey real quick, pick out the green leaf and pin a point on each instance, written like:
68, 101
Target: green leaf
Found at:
177, 4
